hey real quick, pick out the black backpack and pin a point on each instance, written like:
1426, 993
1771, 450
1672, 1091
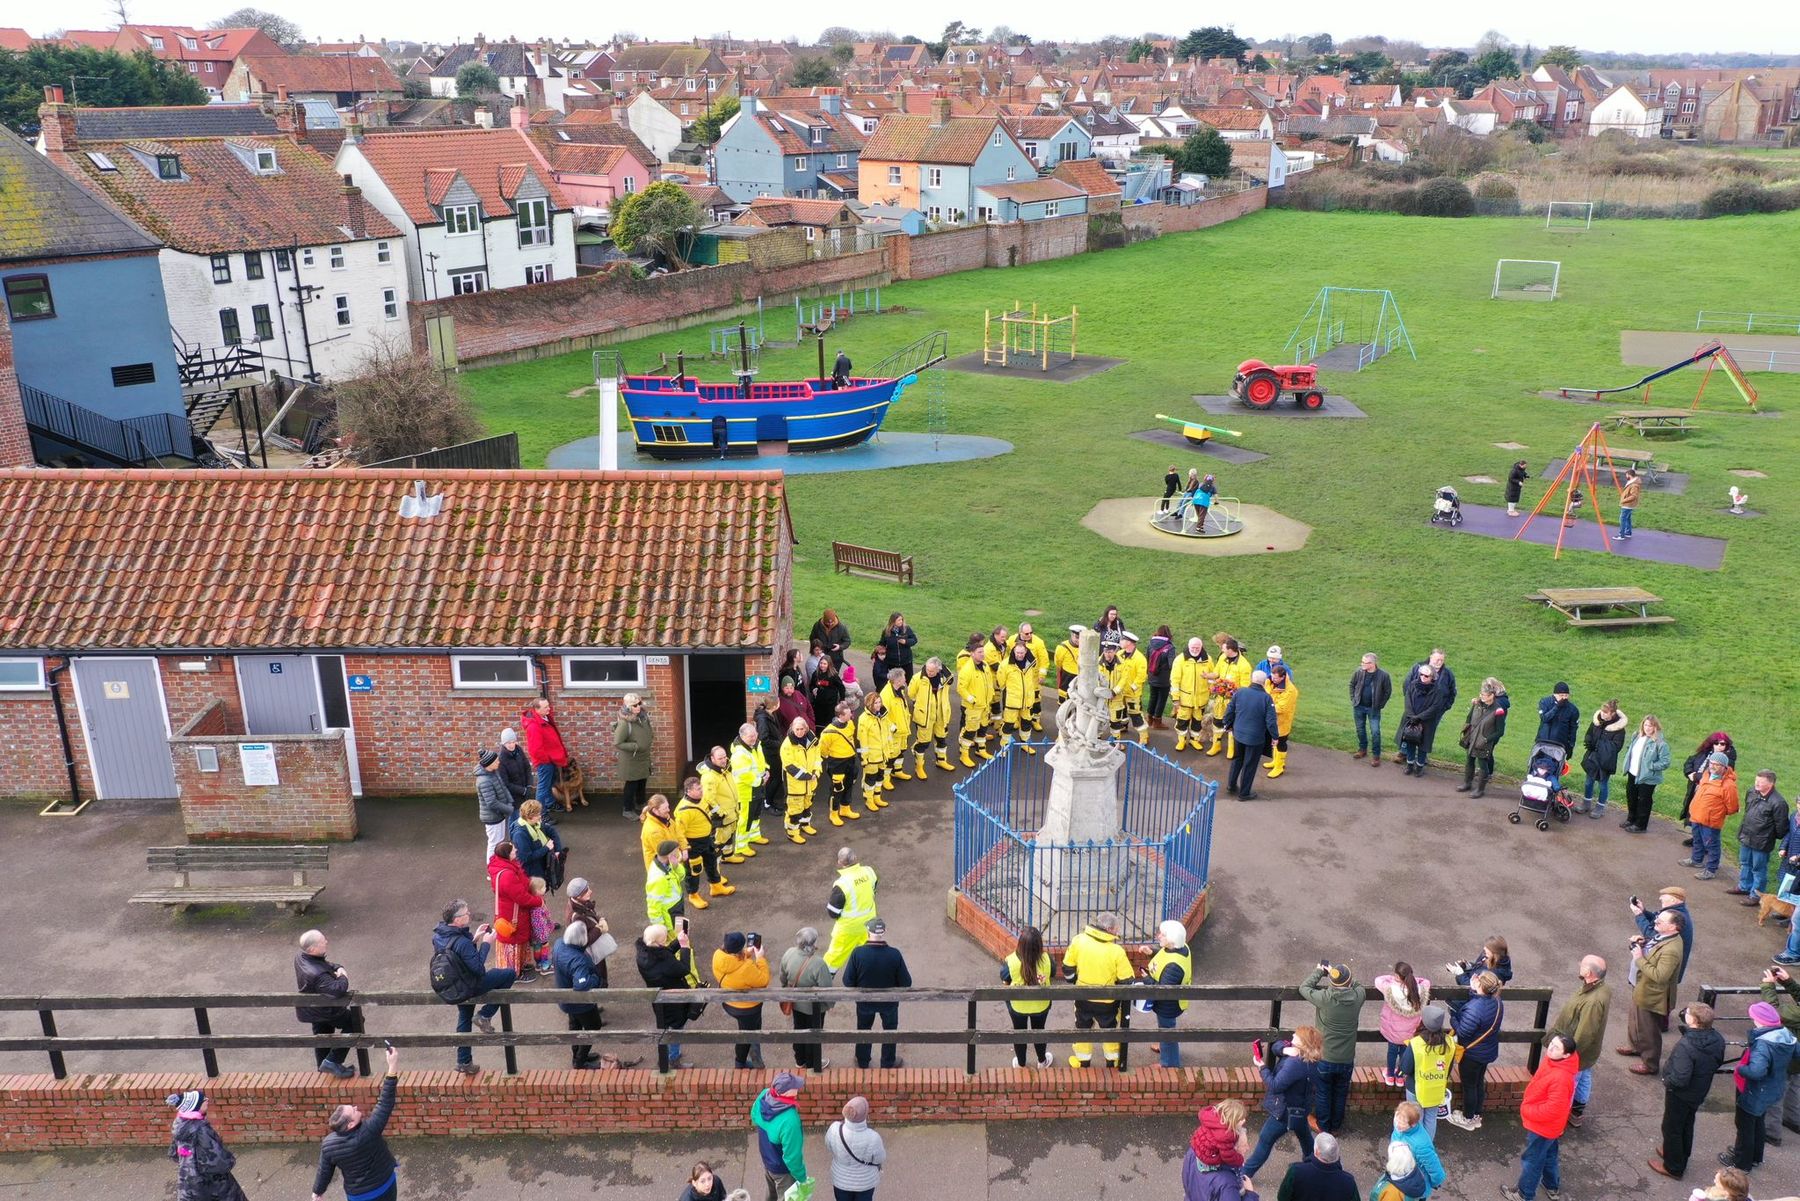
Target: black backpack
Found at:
450, 978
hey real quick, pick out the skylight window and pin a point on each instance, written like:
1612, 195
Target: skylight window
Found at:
168, 166
101, 161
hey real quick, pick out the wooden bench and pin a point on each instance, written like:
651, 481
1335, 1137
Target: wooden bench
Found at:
182, 861
847, 557
1632, 601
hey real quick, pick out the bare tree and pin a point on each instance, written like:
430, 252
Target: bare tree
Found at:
401, 403
118, 6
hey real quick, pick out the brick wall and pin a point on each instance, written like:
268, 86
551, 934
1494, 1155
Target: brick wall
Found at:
509, 325
941, 253
1174, 219
126, 1110
1000, 245
311, 802
15, 442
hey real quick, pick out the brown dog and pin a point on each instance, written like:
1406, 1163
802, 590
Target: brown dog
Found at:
1767, 905
567, 790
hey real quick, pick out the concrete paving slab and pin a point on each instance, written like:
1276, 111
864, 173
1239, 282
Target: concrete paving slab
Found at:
1126, 521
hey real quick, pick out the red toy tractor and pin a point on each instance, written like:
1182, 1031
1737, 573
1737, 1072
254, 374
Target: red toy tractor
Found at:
1259, 385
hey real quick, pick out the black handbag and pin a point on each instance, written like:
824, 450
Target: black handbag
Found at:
1412, 729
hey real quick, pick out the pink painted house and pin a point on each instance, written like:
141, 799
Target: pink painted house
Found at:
591, 173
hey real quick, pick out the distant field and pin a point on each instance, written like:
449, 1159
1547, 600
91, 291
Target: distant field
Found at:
996, 538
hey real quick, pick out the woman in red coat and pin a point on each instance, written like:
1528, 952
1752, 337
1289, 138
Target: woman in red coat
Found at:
513, 903
543, 742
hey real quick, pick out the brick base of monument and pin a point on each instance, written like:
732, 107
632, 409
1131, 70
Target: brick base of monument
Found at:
128, 1110
999, 941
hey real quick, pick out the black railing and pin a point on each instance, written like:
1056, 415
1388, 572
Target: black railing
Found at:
1752, 993
201, 366
127, 441
498, 453
982, 1020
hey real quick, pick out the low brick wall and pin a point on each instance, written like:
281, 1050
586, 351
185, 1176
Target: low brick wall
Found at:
125, 1110
1174, 219
311, 803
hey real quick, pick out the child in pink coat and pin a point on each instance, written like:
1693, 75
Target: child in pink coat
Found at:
1403, 997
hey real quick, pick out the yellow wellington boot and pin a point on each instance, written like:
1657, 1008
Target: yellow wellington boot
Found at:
795, 837
1280, 764
981, 748
698, 901
833, 815
966, 761
760, 841
808, 829
851, 813
944, 764
1027, 747
1231, 746
723, 888
919, 765
900, 773
1218, 743
1181, 740
733, 858
1144, 736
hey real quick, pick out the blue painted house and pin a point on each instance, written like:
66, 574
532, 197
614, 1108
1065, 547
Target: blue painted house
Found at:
787, 148
90, 325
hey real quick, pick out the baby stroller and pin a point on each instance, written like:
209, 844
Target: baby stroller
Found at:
1541, 791
1447, 508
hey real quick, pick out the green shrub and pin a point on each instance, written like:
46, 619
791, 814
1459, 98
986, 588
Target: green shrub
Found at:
1744, 196
1445, 198
1495, 196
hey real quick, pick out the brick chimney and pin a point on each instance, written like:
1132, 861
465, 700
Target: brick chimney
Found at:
58, 120
355, 217
15, 439
940, 112
519, 116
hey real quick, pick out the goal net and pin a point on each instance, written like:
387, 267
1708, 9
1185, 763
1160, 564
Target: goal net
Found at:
1526, 279
1575, 216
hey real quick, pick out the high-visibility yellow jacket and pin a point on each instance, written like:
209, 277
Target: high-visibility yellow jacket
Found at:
748, 765
1235, 672
695, 821
974, 686
664, 888
1287, 700
1118, 678
653, 833
800, 760
897, 706
1068, 658
718, 794
837, 741
1095, 959
1138, 670
874, 735
930, 703
1019, 682
1040, 654
1187, 679
853, 896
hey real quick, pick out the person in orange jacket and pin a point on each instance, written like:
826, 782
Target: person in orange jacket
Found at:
1715, 799
739, 964
1544, 1112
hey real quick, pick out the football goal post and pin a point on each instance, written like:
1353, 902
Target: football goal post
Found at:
1570, 216
1526, 279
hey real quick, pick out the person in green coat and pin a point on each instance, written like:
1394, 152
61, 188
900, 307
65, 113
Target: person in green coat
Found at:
1338, 1000
779, 1138
1583, 1018
633, 738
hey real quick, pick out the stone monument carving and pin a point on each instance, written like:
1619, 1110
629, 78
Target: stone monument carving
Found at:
1084, 766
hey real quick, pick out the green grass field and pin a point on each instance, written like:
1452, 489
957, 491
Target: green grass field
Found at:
997, 538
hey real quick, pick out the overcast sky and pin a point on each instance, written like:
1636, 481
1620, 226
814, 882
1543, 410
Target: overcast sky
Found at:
1647, 26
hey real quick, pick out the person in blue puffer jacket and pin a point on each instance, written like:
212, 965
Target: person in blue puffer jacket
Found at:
1477, 1023
1761, 1078
1288, 1089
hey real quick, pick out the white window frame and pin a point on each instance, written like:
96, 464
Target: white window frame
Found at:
812, 234
336, 257
1012, 173
476, 281
468, 216
266, 162
799, 162
934, 177
843, 160
629, 184
1052, 207
538, 273
816, 135
390, 304
528, 684
570, 684
306, 257
1031, 151
996, 135
894, 175
690, 84
38, 686
533, 220
341, 307
384, 252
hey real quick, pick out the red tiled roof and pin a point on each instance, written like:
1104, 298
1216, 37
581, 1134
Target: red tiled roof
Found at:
202, 560
493, 161
1231, 118
322, 73
221, 204
791, 131
15, 39
1033, 191
1088, 175
1036, 128
785, 210
912, 139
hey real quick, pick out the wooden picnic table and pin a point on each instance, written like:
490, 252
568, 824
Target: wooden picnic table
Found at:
1633, 602
1643, 460
1647, 420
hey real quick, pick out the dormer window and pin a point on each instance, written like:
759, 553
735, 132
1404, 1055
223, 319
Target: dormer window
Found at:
168, 166
818, 135
692, 85
265, 162
156, 43
190, 43
460, 219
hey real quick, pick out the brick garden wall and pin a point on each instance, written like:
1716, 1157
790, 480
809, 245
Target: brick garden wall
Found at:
126, 1110
311, 802
1174, 219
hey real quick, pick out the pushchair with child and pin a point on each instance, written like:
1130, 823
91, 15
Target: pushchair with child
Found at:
1541, 792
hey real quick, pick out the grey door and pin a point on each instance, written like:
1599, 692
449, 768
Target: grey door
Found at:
127, 729
281, 694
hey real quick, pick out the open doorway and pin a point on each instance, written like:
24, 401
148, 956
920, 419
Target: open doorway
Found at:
715, 698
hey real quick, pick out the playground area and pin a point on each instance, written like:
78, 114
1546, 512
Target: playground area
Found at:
996, 537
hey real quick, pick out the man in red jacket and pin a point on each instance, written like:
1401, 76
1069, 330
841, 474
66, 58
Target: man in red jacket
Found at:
543, 742
1544, 1113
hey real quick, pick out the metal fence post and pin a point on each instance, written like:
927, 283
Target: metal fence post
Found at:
362, 1052
1540, 1019
203, 1025
512, 1052
973, 1016
47, 1019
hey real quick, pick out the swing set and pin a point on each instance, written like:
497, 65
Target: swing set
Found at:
1338, 313
1583, 466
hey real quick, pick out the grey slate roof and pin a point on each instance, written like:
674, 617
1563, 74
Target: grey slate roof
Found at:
172, 121
44, 214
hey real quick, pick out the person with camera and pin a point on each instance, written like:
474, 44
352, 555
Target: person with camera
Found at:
1656, 966
1671, 898
1780, 989
1687, 1078
665, 967
1337, 999
739, 965
1290, 1070
1761, 1078
465, 952
356, 1148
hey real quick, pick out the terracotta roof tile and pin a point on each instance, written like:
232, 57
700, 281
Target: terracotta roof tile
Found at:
407, 160
914, 139
321, 73
147, 560
1032, 191
221, 204
1088, 175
